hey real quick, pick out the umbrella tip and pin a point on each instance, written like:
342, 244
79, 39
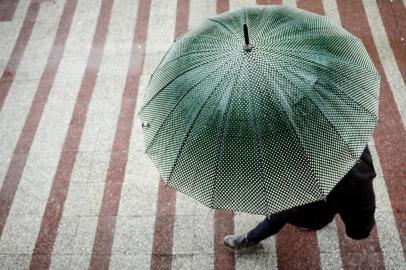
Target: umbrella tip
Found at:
247, 45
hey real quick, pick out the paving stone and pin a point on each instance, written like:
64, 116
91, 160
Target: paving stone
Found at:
203, 262
84, 199
14, 261
139, 198
19, 234
85, 234
130, 262
328, 239
134, 235
65, 240
182, 261
330, 260
183, 235
80, 262
60, 262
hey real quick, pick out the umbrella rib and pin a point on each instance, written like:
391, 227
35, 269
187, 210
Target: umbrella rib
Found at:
223, 25
258, 140
194, 121
159, 67
345, 143
261, 20
298, 57
220, 151
319, 93
353, 100
302, 36
338, 133
179, 101
187, 54
286, 52
376, 119
208, 37
349, 149
328, 69
296, 133
311, 53
173, 79
284, 25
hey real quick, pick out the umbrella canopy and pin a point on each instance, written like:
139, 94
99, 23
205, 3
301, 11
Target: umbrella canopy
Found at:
260, 109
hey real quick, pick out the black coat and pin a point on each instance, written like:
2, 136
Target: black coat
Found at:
352, 198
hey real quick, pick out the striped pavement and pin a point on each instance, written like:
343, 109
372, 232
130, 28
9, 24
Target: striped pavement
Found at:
77, 191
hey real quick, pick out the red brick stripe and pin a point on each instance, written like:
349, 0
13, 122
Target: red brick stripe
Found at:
315, 6
163, 230
393, 15
359, 254
19, 158
9, 72
165, 217
7, 10
106, 225
223, 225
296, 249
53, 212
390, 135
269, 2
222, 6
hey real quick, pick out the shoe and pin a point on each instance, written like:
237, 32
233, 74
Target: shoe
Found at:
237, 242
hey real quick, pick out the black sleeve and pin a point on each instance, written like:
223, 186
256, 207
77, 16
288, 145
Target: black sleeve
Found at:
358, 205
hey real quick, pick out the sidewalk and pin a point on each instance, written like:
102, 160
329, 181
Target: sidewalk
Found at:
77, 191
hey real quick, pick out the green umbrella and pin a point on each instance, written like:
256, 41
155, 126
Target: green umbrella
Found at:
260, 109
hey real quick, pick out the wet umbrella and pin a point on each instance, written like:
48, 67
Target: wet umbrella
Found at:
260, 109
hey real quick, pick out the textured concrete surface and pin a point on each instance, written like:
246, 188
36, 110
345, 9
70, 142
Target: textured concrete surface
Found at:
77, 191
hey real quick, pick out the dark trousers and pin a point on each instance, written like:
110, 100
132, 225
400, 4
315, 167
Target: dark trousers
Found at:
313, 216
269, 226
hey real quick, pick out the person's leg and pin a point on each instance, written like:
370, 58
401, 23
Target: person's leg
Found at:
266, 228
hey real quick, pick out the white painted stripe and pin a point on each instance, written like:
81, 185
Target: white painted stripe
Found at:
86, 188
388, 234
9, 32
290, 3
386, 56
330, 9
234, 4
23, 223
200, 10
194, 228
21, 94
136, 216
263, 257
134, 235
329, 247
193, 233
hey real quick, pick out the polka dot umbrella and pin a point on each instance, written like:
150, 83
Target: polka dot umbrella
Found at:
260, 109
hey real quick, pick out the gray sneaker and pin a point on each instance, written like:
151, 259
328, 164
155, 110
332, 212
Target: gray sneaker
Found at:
237, 242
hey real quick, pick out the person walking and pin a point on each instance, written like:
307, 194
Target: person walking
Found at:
265, 110
353, 198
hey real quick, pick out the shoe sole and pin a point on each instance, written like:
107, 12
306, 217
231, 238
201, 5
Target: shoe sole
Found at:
256, 246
